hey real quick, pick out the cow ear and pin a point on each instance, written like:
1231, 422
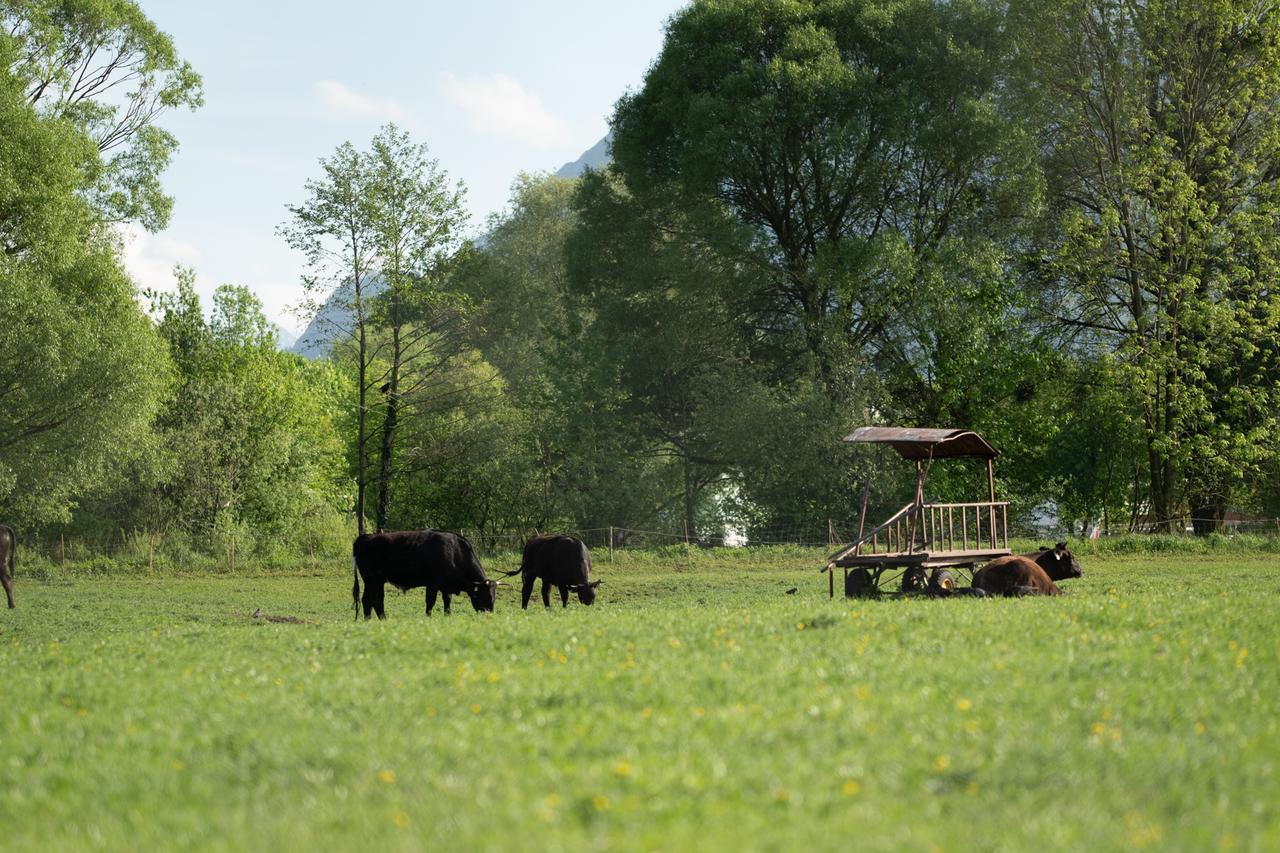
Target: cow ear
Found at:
594, 584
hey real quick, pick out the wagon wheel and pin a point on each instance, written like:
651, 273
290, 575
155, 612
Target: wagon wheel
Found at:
913, 580
858, 584
941, 582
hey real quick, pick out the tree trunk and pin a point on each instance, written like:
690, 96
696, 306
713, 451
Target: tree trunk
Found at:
361, 393
690, 501
389, 422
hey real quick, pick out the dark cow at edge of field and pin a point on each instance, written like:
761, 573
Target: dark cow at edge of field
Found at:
443, 562
8, 560
1031, 574
560, 561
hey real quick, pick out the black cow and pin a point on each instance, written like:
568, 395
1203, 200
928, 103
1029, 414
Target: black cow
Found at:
442, 562
559, 561
1058, 562
8, 560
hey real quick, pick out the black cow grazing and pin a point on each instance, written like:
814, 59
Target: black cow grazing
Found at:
442, 562
8, 560
560, 561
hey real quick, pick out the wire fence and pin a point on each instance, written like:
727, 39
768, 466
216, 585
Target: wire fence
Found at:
151, 550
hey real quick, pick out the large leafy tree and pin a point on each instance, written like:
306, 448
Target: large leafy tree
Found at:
108, 71
81, 370
1162, 128
854, 137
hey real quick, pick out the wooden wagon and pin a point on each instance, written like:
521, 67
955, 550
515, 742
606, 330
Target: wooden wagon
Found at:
924, 536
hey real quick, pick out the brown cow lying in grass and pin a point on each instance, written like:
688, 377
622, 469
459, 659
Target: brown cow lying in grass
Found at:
1033, 574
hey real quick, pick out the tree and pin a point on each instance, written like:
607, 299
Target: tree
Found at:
333, 228
248, 437
105, 69
1162, 122
81, 369
852, 137
376, 231
416, 220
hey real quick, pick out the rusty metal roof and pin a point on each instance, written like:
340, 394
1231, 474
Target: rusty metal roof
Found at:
912, 443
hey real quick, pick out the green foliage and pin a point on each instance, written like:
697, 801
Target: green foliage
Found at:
854, 139
78, 396
103, 68
693, 707
77, 393
1165, 136
247, 446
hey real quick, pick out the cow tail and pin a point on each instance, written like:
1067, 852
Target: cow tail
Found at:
355, 585
13, 553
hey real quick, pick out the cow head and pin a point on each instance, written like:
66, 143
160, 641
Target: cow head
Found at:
1059, 563
483, 595
586, 591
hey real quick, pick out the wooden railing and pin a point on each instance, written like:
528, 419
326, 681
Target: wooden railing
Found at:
981, 526
989, 530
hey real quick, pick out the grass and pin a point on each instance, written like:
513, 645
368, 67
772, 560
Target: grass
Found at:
696, 706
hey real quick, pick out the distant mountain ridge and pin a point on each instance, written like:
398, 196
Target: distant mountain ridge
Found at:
593, 158
317, 336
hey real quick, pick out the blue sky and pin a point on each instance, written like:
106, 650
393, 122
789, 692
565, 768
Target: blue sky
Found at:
494, 88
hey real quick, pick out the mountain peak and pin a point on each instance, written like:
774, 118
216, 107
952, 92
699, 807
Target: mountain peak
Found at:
593, 158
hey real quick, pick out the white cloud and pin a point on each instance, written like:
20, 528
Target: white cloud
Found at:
150, 258
345, 103
499, 105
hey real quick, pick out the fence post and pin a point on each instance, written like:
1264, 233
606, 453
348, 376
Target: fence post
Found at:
62, 552
233, 554
151, 551
611, 543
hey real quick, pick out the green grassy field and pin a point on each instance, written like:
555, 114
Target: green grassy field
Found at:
695, 707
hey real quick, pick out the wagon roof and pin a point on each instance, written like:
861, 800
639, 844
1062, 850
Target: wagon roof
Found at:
913, 443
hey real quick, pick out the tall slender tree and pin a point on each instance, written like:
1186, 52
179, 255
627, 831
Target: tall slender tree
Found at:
377, 230
417, 217
334, 229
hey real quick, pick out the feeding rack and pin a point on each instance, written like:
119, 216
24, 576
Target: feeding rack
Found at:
925, 535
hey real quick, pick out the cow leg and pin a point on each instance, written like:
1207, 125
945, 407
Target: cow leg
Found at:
372, 599
526, 590
564, 596
447, 598
431, 598
8, 589
546, 593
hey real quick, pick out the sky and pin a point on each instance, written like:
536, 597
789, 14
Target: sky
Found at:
493, 88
